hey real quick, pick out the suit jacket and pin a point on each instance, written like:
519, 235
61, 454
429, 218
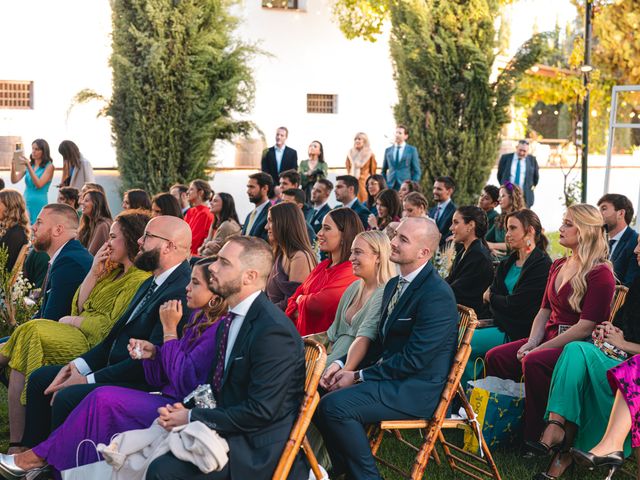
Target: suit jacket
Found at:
531, 176
261, 392
65, 276
316, 218
407, 168
270, 166
412, 355
362, 211
259, 228
444, 221
109, 360
625, 262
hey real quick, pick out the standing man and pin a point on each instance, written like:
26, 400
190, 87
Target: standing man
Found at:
442, 213
257, 375
520, 169
258, 188
406, 367
179, 191
347, 193
617, 213
279, 157
320, 201
401, 161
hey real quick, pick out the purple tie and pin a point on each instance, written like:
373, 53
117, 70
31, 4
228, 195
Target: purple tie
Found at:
224, 338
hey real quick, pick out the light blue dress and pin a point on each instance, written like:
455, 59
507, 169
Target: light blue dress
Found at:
35, 197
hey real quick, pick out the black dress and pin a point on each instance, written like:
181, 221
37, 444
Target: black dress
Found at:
14, 238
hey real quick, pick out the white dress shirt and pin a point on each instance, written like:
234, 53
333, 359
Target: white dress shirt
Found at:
523, 170
279, 155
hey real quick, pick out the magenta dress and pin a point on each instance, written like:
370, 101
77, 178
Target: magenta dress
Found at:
626, 378
179, 367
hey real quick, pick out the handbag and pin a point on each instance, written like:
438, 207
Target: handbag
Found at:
99, 470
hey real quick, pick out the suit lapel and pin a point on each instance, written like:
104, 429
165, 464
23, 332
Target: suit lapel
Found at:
385, 305
247, 326
404, 298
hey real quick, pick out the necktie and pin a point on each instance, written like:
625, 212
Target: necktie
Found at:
398, 154
396, 295
437, 215
516, 177
252, 218
145, 299
611, 244
223, 331
43, 292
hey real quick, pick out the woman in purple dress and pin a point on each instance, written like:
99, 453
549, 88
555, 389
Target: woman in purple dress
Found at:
174, 369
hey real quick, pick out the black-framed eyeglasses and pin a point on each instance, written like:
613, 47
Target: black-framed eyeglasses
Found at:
153, 235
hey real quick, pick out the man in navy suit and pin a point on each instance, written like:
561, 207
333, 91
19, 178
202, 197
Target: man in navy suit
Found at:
257, 377
442, 213
320, 201
347, 193
164, 248
520, 169
401, 161
279, 157
297, 197
258, 188
406, 367
617, 213
55, 232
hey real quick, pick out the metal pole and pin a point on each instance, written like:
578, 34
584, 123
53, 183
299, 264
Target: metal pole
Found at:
585, 105
612, 129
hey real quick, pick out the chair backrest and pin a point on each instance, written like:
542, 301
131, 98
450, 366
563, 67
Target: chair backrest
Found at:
17, 267
618, 300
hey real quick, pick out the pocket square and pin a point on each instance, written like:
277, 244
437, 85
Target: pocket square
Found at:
404, 319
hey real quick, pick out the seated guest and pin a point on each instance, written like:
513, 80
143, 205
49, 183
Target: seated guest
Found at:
296, 197
356, 324
579, 397
102, 297
346, 193
165, 204
375, 184
225, 224
617, 213
14, 225
488, 202
258, 189
179, 191
69, 196
516, 293
95, 221
510, 200
388, 208
472, 270
136, 198
175, 368
414, 205
91, 186
199, 217
320, 202
442, 212
289, 179
407, 187
259, 395
409, 360
164, 248
577, 297
294, 257
313, 305
55, 233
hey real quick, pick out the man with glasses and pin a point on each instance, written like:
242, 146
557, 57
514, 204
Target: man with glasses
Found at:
521, 169
54, 391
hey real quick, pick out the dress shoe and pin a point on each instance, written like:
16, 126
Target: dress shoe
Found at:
8, 468
591, 461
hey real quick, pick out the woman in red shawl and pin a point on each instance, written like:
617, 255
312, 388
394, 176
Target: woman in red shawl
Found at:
313, 305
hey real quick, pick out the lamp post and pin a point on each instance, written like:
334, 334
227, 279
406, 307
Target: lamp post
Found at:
586, 68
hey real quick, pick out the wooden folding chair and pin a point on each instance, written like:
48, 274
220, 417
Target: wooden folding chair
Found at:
315, 357
17, 267
473, 466
618, 300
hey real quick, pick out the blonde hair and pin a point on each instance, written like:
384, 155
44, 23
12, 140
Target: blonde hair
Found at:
592, 251
15, 211
380, 244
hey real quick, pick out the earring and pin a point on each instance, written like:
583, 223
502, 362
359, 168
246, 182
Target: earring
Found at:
528, 243
211, 302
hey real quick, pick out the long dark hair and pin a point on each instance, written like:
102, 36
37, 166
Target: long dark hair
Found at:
321, 154
168, 204
517, 203
389, 198
138, 199
70, 152
371, 201
471, 213
528, 218
216, 307
289, 231
228, 210
46, 152
349, 225
99, 212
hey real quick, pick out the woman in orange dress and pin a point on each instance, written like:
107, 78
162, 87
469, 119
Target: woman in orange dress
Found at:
361, 163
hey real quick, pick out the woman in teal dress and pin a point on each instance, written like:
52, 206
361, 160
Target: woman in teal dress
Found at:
313, 169
37, 173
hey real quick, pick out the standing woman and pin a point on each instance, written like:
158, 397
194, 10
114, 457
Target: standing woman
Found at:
313, 305
14, 224
510, 200
313, 169
37, 177
375, 184
76, 170
225, 224
95, 222
198, 216
389, 210
294, 257
361, 163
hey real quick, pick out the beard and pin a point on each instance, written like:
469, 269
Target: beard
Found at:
225, 290
148, 260
42, 243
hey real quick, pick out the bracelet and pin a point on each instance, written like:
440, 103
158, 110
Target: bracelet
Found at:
169, 335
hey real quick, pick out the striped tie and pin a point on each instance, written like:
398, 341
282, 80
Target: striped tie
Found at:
396, 295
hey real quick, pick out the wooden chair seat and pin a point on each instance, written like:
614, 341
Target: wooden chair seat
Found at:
619, 298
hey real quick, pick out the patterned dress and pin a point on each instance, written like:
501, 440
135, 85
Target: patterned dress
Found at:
626, 378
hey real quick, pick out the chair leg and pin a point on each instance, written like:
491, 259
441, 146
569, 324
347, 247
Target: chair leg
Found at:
313, 461
377, 441
447, 451
426, 449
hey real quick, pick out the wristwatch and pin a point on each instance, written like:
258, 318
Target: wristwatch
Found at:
357, 378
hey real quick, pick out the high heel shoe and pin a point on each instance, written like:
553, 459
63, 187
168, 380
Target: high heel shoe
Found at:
541, 449
10, 471
591, 461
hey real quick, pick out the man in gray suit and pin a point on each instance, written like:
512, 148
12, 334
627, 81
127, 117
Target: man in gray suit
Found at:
401, 161
520, 169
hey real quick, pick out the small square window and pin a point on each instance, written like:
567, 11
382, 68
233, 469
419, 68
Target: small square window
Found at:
322, 103
16, 94
281, 4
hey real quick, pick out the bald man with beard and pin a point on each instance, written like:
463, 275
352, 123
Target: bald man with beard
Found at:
406, 368
54, 391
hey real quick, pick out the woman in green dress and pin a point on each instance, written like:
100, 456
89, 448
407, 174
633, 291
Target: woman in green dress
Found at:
510, 200
313, 169
102, 297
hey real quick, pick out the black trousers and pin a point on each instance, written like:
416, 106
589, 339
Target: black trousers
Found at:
168, 467
342, 417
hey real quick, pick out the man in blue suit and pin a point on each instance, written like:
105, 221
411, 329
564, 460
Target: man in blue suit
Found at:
442, 213
55, 232
347, 193
407, 366
258, 188
617, 213
279, 157
320, 202
401, 161
520, 169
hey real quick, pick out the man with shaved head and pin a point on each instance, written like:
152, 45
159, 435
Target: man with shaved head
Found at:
164, 250
406, 368
55, 232
257, 375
